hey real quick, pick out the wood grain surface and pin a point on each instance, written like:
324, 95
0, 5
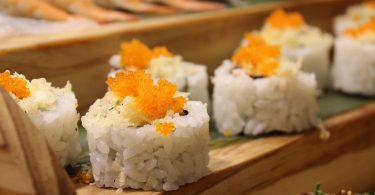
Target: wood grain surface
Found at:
27, 164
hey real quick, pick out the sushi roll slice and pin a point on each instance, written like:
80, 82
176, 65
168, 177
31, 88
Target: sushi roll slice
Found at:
52, 110
298, 40
354, 61
258, 92
162, 64
355, 16
143, 134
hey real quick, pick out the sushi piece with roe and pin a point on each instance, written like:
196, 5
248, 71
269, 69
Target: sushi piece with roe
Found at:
257, 91
298, 40
354, 60
144, 134
160, 63
52, 110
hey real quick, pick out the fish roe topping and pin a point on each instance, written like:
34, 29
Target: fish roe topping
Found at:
281, 20
153, 101
258, 58
128, 83
165, 128
137, 55
15, 85
364, 28
254, 39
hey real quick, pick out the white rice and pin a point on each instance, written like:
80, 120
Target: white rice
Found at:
188, 77
53, 111
123, 156
307, 43
255, 106
354, 65
314, 60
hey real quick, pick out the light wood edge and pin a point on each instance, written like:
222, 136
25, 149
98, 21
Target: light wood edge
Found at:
351, 171
31, 151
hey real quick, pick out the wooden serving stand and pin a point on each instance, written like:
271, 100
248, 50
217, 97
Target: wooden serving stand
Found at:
27, 164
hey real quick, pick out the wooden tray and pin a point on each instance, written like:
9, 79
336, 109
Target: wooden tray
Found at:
265, 165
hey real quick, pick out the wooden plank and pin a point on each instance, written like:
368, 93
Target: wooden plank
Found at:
12, 174
27, 156
205, 38
353, 171
264, 161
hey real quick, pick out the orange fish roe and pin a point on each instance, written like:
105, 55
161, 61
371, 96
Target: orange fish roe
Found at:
165, 128
128, 83
15, 85
254, 39
153, 101
161, 51
135, 54
367, 27
258, 59
280, 19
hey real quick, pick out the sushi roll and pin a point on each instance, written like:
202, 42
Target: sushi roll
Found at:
298, 40
143, 134
162, 64
355, 16
52, 110
354, 61
258, 92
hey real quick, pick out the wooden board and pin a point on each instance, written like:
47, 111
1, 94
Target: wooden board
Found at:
334, 176
205, 38
27, 164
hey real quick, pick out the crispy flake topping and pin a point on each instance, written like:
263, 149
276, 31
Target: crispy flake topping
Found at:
281, 20
15, 85
364, 28
135, 54
258, 58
